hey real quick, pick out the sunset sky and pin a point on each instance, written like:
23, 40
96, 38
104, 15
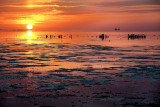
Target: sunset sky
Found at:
80, 15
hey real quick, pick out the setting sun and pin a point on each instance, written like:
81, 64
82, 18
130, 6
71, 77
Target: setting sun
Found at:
29, 27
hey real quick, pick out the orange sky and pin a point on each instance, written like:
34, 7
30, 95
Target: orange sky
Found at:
80, 15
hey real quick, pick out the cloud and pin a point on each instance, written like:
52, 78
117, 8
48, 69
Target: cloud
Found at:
128, 3
74, 12
79, 7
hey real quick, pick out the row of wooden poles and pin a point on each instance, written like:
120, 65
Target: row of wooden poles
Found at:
103, 36
136, 36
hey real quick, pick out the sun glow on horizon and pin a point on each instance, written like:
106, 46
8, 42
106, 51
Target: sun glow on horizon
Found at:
29, 27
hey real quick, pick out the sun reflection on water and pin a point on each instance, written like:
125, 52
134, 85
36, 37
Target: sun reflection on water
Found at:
30, 37
29, 33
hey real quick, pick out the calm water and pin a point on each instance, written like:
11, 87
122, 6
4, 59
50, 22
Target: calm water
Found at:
79, 69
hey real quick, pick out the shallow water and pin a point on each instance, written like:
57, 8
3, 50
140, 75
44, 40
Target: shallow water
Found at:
79, 69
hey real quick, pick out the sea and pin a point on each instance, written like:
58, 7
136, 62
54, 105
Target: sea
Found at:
79, 69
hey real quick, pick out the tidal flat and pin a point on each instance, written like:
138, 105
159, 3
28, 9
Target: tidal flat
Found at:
79, 69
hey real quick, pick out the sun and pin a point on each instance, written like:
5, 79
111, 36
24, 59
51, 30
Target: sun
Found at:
29, 27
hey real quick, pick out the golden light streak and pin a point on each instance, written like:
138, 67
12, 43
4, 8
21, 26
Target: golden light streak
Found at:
29, 33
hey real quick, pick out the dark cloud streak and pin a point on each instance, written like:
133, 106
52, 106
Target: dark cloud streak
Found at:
129, 3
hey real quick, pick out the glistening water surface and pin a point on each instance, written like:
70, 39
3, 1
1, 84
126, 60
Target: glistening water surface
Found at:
79, 69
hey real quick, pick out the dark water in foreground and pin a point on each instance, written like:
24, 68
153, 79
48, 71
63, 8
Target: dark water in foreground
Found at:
79, 69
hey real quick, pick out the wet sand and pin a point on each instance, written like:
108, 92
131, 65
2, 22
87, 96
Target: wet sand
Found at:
79, 69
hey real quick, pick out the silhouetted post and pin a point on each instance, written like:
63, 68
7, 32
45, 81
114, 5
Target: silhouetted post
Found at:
60, 36
50, 36
101, 36
70, 36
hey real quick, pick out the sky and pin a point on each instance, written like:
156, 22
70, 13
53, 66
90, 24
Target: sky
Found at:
80, 15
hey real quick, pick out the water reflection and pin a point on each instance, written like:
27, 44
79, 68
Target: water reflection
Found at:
83, 69
29, 33
30, 37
